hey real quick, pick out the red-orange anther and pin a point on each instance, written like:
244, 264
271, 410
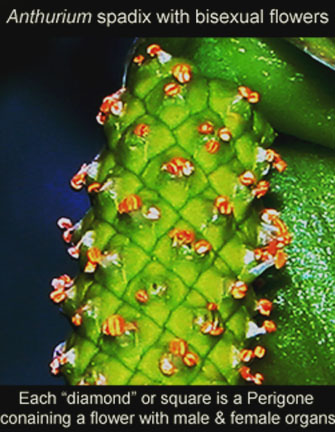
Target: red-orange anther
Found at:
246, 355
191, 359
239, 290
270, 155
211, 328
58, 295
74, 251
153, 49
181, 237
111, 104
264, 307
182, 72
129, 204
178, 347
64, 223
106, 105
280, 259
246, 373
94, 187
247, 178
212, 306
274, 245
253, 97
269, 326
101, 118
57, 362
141, 130
223, 205
139, 59
172, 89
247, 93
77, 319
202, 247
212, 146
206, 128
114, 325
261, 189
244, 91
280, 165
142, 296
62, 282
216, 330
90, 267
282, 228
269, 215
79, 179
262, 254
258, 378
277, 162
94, 255
259, 351
68, 281
179, 166
206, 327
224, 134
67, 235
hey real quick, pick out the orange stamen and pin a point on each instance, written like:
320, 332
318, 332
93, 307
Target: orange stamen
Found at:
179, 166
94, 255
58, 295
206, 128
258, 378
182, 73
247, 178
191, 359
245, 373
114, 326
269, 326
181, 237
261, 189
202, 247
129, 204
139, 59
246, 355
94, 187
212, 306
224, 134
172, 89
77, 319
141, 130
142, 296
223, 205
212, 146
264, 307
239, 290
280, 259
259, 352
178, 347
153, 49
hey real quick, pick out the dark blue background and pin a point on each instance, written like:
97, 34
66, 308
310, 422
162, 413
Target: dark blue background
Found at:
51, 90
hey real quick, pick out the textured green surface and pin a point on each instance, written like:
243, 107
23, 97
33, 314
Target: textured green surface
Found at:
139, 253
302, 350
